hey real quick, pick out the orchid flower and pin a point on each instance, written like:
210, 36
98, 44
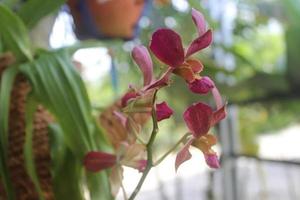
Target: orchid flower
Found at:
142, 58
166, 45
199, 118
143, 97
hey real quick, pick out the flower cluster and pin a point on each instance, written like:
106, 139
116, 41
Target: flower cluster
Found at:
166, 45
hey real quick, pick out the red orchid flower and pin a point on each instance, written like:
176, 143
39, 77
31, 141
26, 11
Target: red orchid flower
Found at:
142, 58
199, 118
166, 45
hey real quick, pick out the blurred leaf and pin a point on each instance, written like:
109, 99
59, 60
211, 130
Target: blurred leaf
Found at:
30, 109
259, 86
67, 180
7, 81
57, 86
66, 169
33, 11
293, 58
292, 10
14, 34
58, 147
10, 3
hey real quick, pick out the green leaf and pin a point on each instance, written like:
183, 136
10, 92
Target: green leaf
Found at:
66, 169
14, 34
7, 81
292, 54
34, 10
96, 180
68, 181
58, 147
58, 86
10, 3
292, 8
30, 109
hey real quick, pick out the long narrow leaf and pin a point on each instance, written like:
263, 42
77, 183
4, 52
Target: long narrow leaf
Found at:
66, 169
30, 109
7, 81
58, 86
14, 34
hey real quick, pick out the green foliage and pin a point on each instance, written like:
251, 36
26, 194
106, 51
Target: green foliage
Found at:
33, 10
7, 80
30, 109
57, 86
260, 118
292, 8
66, 170
293, 58
14, 34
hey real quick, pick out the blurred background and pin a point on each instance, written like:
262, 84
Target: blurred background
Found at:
254, 60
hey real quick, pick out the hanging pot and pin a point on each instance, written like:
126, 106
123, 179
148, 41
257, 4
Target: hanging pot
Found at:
106, 18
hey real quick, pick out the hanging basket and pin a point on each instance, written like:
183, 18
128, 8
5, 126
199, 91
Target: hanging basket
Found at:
106, 19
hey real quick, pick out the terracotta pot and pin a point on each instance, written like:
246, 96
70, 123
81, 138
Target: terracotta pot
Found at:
106, 19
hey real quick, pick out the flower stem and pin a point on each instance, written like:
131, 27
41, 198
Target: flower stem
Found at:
171, 150
149, 150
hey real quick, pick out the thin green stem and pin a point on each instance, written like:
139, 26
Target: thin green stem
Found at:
171, 149
149, 150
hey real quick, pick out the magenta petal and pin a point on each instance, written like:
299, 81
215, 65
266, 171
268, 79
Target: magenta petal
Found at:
217, 97
129, 95
218, 115
95, 161
161, 82
199, 21
142, 164
183, 155
198, 119
163, 111
142, 58
212, 160
201, 86
166, 45
200, 43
